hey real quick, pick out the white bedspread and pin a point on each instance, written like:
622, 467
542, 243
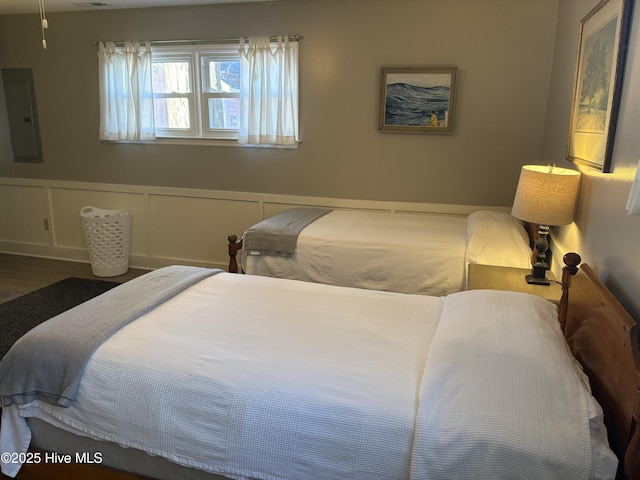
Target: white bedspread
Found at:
405, 253
265, 378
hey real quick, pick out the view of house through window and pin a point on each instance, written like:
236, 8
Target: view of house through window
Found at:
223, 85
196, 91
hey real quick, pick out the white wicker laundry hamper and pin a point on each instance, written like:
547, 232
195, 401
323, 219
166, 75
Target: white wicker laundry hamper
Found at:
107, 233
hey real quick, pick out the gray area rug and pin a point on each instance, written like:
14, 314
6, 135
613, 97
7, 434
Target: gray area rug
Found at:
21, 314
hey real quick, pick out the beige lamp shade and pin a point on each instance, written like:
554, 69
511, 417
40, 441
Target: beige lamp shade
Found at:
546, 195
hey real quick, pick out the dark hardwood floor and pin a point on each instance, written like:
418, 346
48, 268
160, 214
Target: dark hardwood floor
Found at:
21, 274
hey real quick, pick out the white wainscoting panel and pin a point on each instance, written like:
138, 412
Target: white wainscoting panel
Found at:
196, 228
23, 214
67, 225
168, 225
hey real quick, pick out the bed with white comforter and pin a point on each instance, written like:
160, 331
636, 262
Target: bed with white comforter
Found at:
406, 253
256, 377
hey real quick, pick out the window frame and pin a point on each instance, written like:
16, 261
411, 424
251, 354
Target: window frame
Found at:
220, 56
198, 57
190, 96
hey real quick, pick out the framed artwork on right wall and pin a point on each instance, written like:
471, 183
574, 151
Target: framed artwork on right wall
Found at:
598, 83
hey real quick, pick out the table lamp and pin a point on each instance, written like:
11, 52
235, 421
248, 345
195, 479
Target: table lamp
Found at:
546, 195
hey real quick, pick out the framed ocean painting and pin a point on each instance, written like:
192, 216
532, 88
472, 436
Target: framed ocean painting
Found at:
417, 99
598, 84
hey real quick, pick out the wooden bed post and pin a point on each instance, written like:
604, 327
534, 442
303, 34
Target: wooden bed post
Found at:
234, 246
571, 262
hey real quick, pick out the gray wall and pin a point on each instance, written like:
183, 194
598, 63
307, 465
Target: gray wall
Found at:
516, 60
503, 49
603, 233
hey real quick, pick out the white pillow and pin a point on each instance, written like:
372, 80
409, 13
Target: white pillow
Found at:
526, 387
497, 238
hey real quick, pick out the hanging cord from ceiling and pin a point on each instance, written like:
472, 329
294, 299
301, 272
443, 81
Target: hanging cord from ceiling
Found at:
44, 23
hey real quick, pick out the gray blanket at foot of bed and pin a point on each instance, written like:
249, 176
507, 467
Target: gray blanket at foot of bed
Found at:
47, 362
278, 235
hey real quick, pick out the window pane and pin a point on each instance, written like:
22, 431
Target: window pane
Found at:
223, 76
223, 113
171, 77
171, 113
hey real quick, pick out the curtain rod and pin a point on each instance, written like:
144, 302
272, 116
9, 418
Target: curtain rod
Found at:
294, 38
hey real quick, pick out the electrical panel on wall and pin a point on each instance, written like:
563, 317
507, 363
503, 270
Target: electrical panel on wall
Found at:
20, 98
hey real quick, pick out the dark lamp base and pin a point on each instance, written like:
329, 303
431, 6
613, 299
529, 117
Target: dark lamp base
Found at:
538, 274
537, 281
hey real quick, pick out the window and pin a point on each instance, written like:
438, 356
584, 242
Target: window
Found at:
196, 91
200, 92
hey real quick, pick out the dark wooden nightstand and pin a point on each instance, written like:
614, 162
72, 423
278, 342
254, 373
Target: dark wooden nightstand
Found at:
511, 279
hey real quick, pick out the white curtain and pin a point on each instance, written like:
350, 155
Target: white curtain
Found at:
126, 94
268, 91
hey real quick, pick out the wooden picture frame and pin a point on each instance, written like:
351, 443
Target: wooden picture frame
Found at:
598, 83
417, 99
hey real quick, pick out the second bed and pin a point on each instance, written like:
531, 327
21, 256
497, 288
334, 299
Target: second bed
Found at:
405, 253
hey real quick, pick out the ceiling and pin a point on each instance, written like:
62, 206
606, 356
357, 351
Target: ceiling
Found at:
8, 7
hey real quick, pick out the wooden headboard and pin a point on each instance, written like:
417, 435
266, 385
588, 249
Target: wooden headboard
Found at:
604, 339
